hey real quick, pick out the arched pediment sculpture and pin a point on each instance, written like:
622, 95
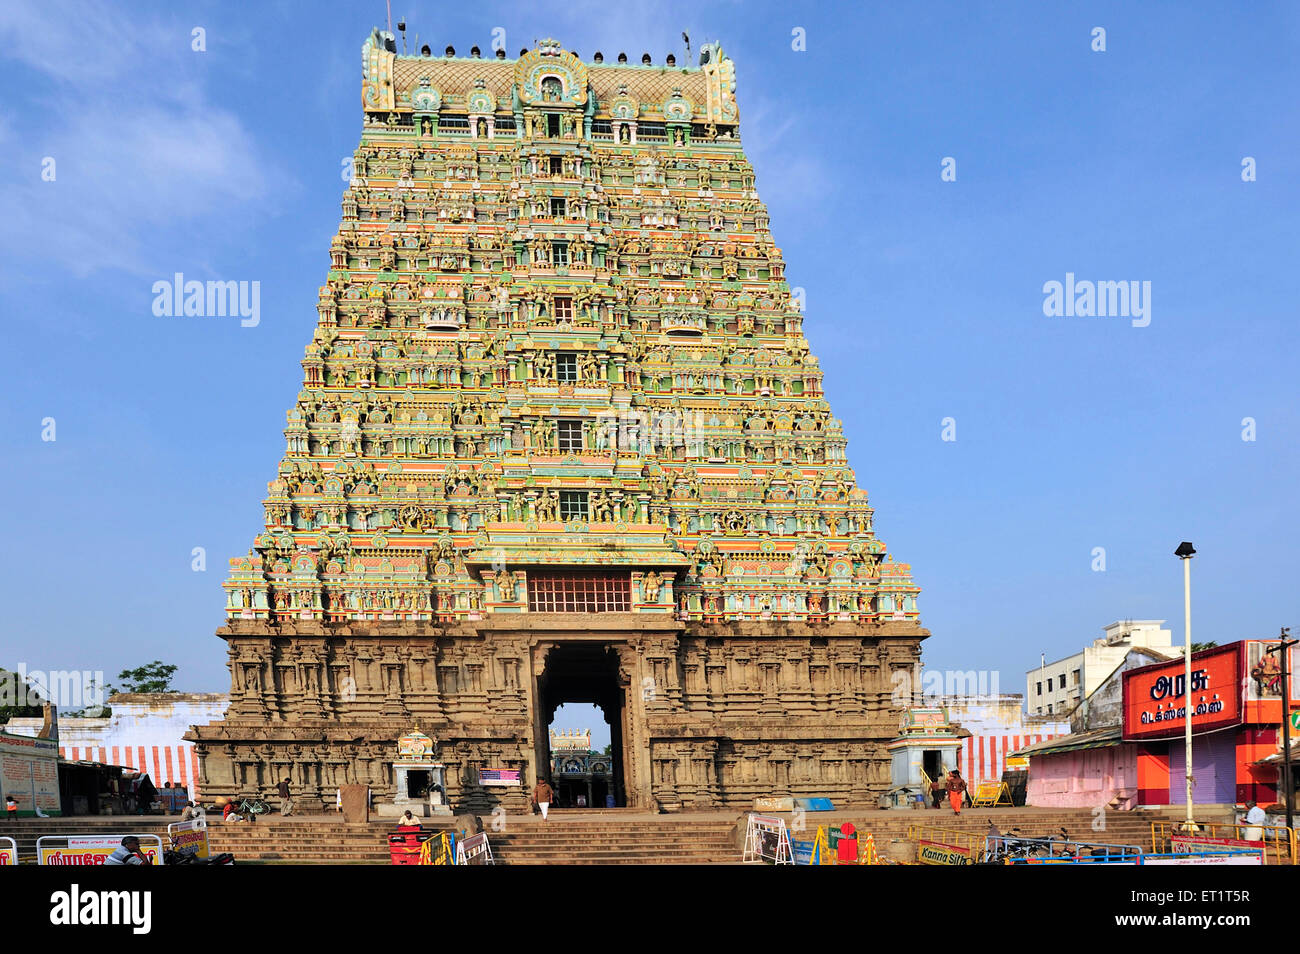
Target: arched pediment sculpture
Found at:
549, 60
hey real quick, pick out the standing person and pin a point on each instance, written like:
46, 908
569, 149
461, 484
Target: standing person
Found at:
144, 795
1255, 819
956, 791
11, 807
286, 799
937, 788
543, 795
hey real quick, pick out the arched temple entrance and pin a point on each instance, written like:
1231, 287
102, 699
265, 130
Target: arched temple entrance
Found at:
586, 672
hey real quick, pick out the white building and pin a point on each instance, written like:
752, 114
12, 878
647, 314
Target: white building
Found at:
145, 731
1055, 688
998, 726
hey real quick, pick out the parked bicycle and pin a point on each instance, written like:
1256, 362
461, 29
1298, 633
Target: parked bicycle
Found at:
253, 806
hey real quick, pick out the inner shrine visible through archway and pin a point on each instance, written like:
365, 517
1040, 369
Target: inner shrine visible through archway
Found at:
584, 775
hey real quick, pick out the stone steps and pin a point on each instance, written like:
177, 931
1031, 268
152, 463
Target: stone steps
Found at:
607, 837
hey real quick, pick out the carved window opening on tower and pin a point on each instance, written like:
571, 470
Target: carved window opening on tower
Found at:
573, 505
570, 438
560, 254
566, 365
579, 592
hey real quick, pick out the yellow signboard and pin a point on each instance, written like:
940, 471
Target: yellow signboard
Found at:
933, 853
190, 838
92, 849
989, 794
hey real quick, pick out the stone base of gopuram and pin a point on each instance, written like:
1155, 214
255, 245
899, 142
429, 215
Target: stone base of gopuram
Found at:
703, 715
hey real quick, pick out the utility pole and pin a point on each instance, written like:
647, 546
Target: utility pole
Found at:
1283, 650
1185, 552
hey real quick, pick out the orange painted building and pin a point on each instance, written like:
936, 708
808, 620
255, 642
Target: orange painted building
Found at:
1237, 700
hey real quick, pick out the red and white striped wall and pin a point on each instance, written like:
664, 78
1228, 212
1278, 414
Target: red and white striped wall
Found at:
983, 757
164, 763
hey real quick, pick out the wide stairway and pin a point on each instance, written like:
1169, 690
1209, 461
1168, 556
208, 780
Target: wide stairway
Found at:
620, 836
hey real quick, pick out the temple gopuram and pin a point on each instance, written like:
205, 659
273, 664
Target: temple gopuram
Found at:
561, 439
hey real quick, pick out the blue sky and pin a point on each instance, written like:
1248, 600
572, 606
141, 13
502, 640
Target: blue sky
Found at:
924, 297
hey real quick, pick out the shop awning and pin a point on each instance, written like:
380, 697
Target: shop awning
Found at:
1096, 739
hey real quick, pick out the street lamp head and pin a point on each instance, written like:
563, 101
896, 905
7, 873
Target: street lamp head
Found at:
1185, 551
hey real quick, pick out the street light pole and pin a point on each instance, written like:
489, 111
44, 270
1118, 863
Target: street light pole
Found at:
1185, 552
1283, 650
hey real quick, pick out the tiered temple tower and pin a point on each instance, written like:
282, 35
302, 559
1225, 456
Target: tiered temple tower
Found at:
561, 439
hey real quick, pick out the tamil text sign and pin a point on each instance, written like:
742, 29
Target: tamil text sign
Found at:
91, 849
1155, 697
190, 838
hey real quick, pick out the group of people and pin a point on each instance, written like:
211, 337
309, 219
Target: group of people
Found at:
954, 786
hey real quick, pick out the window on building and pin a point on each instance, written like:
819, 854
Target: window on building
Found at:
560, 254
557, 208
579, 592
570, 435
1061, 682
566, 368
557, 165
1049, 685
573, 505
564, 310
1040, 691
552, 125
1074, 677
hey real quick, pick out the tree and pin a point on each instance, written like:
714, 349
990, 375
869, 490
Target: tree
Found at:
609, 749
151, 677
17, 696
1197, 647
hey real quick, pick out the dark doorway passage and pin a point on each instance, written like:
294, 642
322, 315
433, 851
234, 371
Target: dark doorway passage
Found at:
584, 673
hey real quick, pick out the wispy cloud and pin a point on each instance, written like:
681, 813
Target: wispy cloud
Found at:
136, 145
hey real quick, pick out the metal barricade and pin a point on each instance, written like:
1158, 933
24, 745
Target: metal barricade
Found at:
1013, 848
1279, 840
956, 838
8, 851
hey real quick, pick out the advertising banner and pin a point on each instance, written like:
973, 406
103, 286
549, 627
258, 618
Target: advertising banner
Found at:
1155, 697
474, 850
190, 838
29, 771
488, 776
1199, 843
934, 853
91, 849
1212, 858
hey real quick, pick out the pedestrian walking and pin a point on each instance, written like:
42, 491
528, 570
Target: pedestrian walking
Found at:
543, 795
956, 791
11, 807
286, 799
